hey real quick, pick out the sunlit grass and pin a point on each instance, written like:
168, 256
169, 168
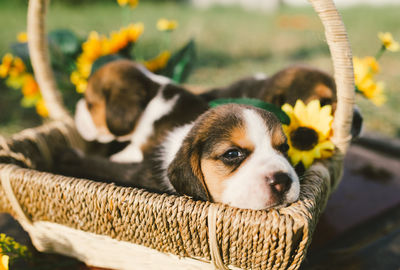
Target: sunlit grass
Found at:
233, 43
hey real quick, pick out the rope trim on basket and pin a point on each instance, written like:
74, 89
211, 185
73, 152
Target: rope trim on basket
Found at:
212, 238
6, 184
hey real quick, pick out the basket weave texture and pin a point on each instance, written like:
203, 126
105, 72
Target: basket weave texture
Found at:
179, 226
247, 239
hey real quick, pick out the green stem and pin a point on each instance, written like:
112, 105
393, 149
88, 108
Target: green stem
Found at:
380, 52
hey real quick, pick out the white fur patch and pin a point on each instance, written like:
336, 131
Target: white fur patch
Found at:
170, 147
260, 76
154, 77
248, 187
86, 127
156, 109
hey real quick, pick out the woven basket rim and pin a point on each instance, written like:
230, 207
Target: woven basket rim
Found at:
302, 214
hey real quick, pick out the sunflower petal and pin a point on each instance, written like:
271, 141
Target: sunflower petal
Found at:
313, 108
307, 158
300, 112
295, 156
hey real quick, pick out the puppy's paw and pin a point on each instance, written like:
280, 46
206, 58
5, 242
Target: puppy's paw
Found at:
131, 154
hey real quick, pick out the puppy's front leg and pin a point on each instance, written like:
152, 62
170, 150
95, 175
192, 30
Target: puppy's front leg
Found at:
73, 163
131, 154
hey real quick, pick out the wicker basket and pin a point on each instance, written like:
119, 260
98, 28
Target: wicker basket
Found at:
126, 228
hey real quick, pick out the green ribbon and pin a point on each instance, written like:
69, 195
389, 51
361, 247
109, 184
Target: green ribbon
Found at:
282, 116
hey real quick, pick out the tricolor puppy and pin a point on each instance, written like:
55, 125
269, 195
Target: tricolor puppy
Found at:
287, 86
126, 102
233, 154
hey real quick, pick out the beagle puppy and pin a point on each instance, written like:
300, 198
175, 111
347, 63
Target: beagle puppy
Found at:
232, 154
287, 86
126, 102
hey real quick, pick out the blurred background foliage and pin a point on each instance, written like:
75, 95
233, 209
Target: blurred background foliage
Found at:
231, 43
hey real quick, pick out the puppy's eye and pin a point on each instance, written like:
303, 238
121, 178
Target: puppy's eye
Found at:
233, 154
325, 101
284, 147
233, 157
89, 105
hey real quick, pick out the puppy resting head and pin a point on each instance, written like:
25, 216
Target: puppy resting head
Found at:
116, 95
236, 154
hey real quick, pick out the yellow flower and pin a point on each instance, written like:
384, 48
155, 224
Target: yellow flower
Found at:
364, 71
17, 68
309, 132
166, 25
15, 82
159, 62
131, 3
30, 86
373, 91
6, 63
22, 37
4, 259
364, 67
41, 108
97, 46
388, 42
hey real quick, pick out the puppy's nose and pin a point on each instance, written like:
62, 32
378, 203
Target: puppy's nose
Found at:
280, 182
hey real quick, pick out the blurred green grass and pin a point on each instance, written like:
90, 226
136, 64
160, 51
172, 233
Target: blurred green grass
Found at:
231, 43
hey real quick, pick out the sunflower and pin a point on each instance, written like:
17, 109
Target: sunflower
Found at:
4, 259
131, 3
388, 42
6, 63
159, 62
30, 87
309, 132
41, 108
364, 72
22, 37
166, 25
97, 46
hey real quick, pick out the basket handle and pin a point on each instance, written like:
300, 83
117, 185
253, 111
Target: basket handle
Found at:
342, 59
39, 54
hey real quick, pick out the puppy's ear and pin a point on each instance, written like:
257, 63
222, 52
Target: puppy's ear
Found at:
279, 98
122, 111
185, 173
357, 123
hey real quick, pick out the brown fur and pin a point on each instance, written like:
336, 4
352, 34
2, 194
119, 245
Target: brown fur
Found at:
214, 133
197, 169
119, 92
287, 86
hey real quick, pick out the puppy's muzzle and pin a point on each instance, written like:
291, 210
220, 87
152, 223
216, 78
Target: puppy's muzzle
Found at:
280, 183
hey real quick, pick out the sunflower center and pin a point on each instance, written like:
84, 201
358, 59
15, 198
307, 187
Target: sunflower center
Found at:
304, 138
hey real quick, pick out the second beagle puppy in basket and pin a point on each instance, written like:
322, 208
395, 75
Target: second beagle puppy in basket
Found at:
126, 102
232, 154
287, 86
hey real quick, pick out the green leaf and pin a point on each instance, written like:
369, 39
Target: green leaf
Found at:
181, 63
282, 116
66, 40
21, 50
